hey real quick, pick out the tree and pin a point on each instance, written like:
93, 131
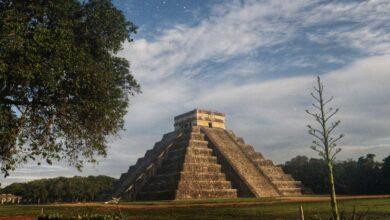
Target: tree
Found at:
63, 90
311, 172
385, 175
62, 189
367, 180
325, 142
352, 177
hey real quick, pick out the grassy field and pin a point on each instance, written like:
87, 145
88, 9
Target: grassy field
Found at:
268, 208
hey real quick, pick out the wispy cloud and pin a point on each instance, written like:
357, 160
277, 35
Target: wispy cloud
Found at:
251, 27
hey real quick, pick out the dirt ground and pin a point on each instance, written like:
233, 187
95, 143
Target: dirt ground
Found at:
204, 203
18, 218
211, 204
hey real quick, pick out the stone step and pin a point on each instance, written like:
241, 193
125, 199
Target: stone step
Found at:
284, 184
124, 176
204, 184
187, 176
195, 129
148, 153
191, 159
212, 176
200, 159
201, 151
279, 169
263, 162
257, 181
202, 168
170, 184
279, 177
260, 155
252, 156
248, 149
273, 170
139, 161
201, 194
131, 169
190, 167
290, 191
189, 142
192, 136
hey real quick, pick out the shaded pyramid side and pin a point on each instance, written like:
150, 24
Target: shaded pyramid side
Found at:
137, 175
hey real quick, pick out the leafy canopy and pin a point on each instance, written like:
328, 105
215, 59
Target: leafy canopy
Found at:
62, 89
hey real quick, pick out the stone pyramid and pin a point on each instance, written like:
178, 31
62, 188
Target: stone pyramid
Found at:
201, 159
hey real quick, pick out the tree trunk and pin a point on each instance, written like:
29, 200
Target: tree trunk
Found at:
301, 214
333, 202
328, 159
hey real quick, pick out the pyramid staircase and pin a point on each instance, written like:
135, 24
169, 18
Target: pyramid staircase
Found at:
284, 183
257, 183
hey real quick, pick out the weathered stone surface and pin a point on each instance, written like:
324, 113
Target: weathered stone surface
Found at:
256, 181
203, 162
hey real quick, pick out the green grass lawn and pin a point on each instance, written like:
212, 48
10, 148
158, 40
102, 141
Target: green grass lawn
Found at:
376, 208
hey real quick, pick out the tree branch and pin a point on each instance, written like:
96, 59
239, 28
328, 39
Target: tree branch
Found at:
315, 106
335, 153
316, 116
317, 99
315, 129
329, 100
21, 103
314, 135
333, 126
316, 143
327, 118
320, 152
336, 139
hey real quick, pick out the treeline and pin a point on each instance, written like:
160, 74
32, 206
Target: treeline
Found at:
362, 176
62, 189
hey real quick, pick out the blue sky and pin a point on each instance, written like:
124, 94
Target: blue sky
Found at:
257, 62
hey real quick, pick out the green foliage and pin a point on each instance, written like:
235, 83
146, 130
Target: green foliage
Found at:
61, 189
63, 90
352, 177
385, 175
311, 172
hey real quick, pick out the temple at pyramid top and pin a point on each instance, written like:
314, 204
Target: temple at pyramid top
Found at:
200, 117
201, 159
